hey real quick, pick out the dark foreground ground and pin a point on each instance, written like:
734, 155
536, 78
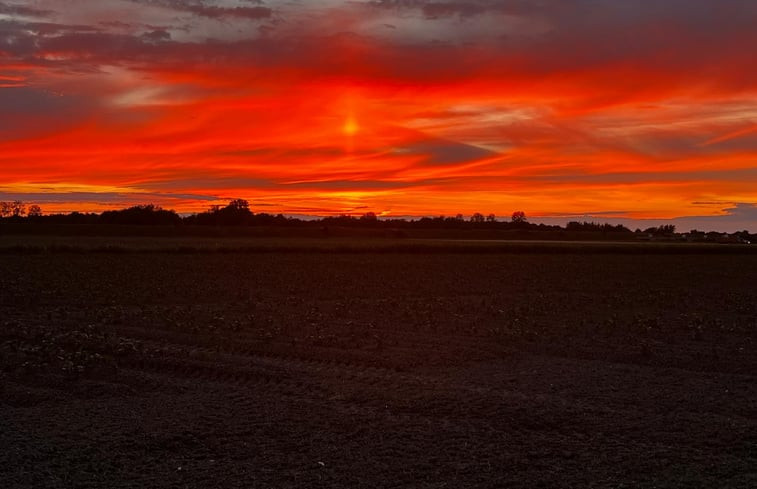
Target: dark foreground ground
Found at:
378, 370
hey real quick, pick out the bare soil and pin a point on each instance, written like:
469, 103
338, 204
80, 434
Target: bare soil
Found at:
378, 370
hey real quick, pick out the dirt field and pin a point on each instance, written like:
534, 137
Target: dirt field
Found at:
573, 370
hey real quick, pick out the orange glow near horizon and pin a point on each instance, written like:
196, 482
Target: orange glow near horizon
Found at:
365, 109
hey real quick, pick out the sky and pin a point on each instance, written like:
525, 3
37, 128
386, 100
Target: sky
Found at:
633, 111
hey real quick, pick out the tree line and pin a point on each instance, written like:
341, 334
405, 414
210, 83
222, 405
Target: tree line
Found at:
238, 213
18, 209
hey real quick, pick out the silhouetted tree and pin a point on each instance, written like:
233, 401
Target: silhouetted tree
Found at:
491, 218
477, 218
236, 213
743, 236
369, 219
34, 211
664, 230
596, 227
12, 209
239, 205
149, 214
519, 217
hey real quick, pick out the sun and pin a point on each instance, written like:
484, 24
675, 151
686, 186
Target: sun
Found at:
350, 127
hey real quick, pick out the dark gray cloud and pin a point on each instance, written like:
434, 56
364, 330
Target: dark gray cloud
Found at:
742, 210
441, 152
23, 10
15, 40
434, 10
26, 110
580, 12
465, 8
212, 11
612, 48
680, 41
158, 35
26, 40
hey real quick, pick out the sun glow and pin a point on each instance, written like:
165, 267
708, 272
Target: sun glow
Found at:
350, 127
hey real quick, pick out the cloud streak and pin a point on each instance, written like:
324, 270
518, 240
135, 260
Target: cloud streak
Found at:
204, 9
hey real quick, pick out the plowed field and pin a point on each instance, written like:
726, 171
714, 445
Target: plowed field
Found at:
378, 370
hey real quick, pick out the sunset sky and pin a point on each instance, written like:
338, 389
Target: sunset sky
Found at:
603, 109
